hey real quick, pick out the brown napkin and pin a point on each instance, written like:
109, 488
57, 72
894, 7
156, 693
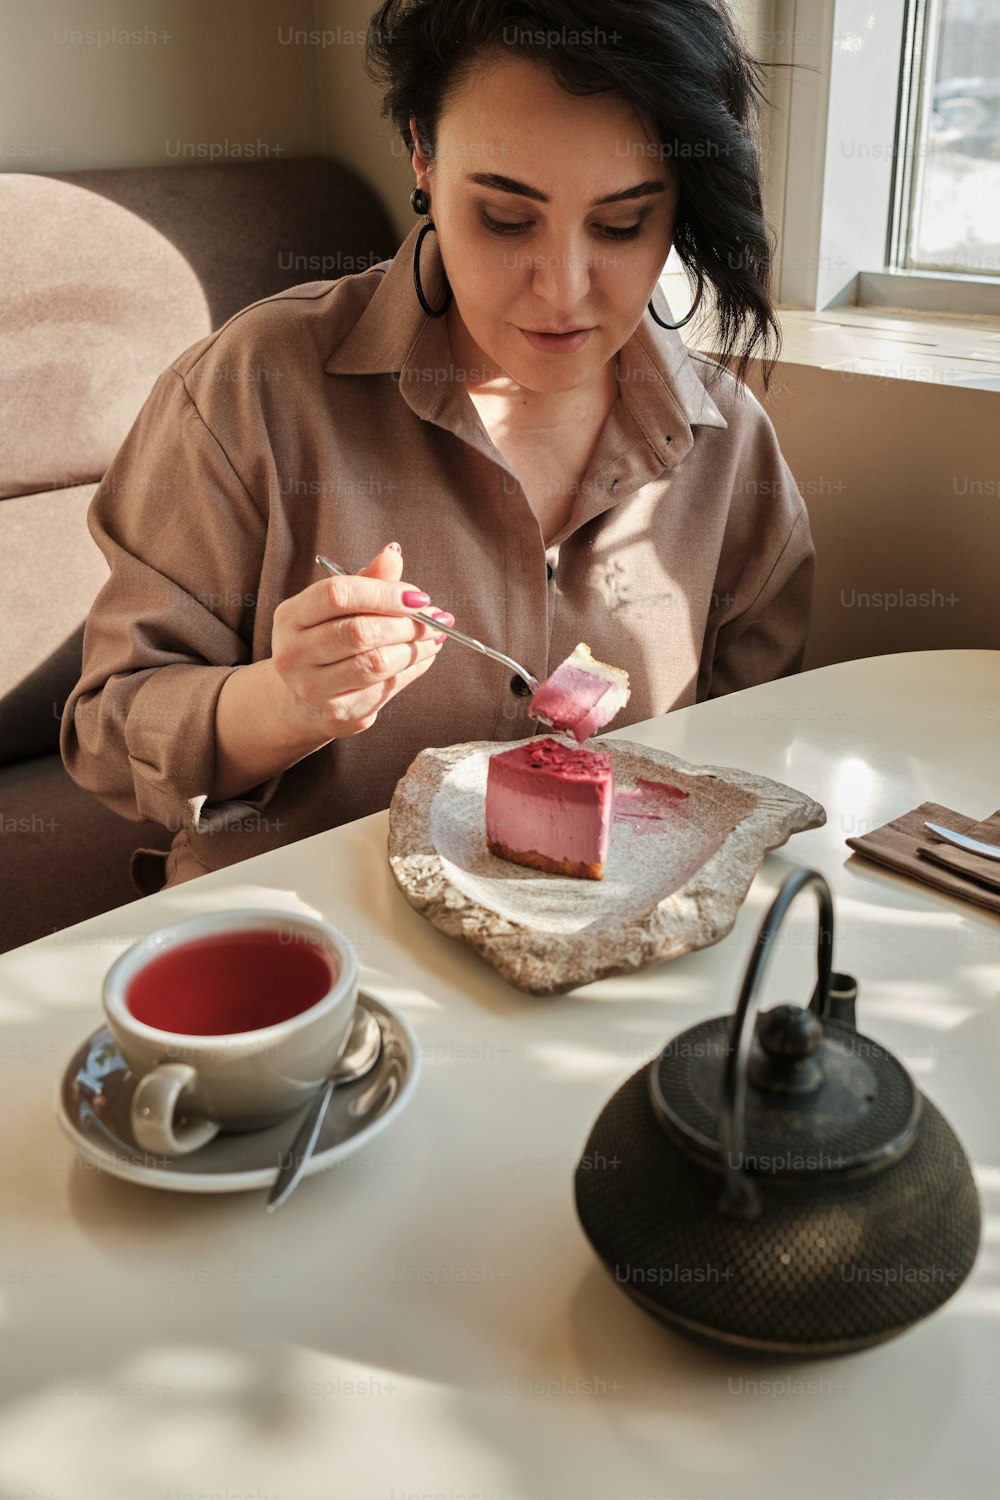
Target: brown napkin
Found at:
907, 846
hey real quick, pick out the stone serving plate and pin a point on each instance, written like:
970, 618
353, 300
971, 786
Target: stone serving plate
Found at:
669, 886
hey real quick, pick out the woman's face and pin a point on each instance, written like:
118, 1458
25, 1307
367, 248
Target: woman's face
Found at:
529, 248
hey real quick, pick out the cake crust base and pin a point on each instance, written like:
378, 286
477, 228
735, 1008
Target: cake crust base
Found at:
536, 861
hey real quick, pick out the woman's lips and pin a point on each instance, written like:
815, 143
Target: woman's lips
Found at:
558, 343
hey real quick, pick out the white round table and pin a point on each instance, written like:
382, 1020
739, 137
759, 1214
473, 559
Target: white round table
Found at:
427, 1319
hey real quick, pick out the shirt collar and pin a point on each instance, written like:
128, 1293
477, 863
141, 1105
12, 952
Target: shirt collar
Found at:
657, 376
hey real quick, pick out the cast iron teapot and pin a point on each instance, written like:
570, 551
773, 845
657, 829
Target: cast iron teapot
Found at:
790, 1191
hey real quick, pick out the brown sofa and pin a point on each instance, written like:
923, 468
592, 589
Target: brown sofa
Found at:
106, 277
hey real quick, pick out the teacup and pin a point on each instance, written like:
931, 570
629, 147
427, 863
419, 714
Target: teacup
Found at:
229, 1021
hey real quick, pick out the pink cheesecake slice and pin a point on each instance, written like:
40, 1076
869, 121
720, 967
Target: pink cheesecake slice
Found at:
551, 807
581, 696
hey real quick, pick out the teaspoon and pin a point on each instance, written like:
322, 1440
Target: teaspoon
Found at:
358, 1058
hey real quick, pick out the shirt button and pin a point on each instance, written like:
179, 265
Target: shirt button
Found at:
520, 687
548, 569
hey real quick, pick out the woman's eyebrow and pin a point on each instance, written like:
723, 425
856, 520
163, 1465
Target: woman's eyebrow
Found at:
510, 185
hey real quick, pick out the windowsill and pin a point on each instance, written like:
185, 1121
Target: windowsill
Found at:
930, 348
956, 295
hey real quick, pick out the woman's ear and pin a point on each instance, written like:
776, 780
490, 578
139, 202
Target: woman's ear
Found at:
420, 162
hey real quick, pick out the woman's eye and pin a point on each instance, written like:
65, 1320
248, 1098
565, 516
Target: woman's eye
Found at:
628, 233
505, 226
501, 226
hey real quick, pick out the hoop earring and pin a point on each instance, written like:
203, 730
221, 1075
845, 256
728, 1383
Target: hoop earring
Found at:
432, 312
685, 320
420, 205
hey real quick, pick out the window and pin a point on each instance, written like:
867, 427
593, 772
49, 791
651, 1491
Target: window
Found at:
948, 200
883, 152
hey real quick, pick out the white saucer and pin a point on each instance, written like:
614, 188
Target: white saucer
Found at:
95, 1093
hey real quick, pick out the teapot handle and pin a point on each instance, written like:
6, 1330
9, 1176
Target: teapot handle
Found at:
739, 1195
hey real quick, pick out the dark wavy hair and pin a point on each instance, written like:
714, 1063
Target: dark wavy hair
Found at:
682, 63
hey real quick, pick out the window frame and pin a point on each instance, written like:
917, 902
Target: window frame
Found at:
830, 138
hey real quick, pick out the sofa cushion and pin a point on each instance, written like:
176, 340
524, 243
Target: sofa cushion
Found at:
108, 275
53, 569
52, 832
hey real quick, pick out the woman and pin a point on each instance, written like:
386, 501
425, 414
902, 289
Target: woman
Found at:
502, 400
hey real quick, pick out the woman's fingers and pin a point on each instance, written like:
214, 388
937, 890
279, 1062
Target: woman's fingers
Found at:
353, 712
387, 564
332, 597
346, 644
367, 669
355, 635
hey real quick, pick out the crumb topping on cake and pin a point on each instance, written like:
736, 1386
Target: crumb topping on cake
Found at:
551, 755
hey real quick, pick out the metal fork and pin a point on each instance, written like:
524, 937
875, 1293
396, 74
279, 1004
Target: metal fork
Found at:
457, 635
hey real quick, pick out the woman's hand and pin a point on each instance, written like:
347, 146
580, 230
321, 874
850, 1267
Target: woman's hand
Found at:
345, 645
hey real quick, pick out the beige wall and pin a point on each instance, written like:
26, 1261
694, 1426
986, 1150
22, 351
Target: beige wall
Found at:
902, 483
353, 128
206, 76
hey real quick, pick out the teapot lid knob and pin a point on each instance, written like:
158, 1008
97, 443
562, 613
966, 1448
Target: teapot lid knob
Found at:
789, 1032
788, 1037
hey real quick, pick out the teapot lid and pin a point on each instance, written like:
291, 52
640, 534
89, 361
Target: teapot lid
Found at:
802, 1095
820, 1097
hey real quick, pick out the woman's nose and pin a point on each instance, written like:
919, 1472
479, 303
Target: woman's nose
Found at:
561, 274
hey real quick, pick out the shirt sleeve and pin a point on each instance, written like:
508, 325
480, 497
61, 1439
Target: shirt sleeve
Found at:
184, 542
761, 606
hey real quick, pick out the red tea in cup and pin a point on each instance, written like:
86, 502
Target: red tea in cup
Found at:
231, 982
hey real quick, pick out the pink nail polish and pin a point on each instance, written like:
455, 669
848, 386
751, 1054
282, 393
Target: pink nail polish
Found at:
393, 547
439, 639
415, 599
444, 615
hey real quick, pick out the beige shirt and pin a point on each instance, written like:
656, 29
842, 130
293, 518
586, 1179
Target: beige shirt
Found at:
332, 418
